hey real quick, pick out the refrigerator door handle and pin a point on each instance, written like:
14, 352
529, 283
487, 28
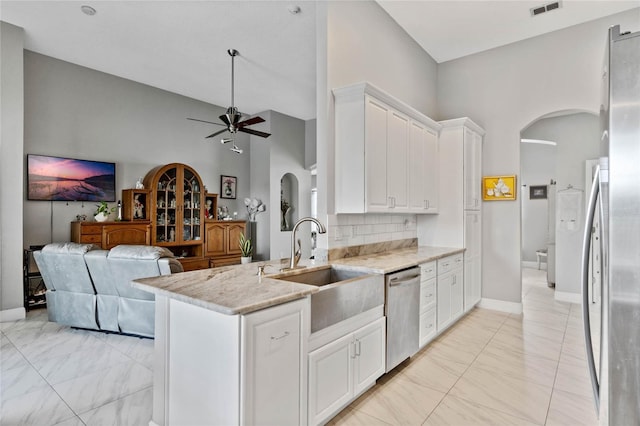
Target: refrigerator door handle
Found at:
586, 247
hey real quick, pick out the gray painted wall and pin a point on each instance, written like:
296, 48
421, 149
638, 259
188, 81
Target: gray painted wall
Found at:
505, 89
578, 138
11, 171
537, 167
72, 111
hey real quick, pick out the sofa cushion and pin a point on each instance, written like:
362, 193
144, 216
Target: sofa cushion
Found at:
139, 252
68, 248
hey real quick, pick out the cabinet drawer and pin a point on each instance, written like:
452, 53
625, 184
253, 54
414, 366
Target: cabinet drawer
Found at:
91, 239
427, 294
427, 271
427, 326
91, 229
449, 263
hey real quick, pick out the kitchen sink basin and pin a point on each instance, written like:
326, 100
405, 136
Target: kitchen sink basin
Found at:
343, 293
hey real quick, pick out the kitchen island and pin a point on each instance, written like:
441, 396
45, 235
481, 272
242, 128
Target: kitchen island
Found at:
232, 346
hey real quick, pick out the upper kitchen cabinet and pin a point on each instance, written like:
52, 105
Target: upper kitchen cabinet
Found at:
472, 168
386, 154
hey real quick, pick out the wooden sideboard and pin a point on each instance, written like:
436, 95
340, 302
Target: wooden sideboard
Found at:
109, 234
221, 241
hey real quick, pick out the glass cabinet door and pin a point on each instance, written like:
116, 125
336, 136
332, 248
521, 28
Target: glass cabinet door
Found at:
166, 207
192, 198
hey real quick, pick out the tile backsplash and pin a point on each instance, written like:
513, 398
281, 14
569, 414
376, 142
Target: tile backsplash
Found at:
347, 230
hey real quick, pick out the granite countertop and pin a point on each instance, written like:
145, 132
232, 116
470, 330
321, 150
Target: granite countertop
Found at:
237, 289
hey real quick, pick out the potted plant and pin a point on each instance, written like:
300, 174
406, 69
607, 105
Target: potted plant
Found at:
245, 248
102, 212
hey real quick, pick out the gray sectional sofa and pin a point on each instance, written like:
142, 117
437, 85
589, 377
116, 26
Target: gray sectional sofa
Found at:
91, 288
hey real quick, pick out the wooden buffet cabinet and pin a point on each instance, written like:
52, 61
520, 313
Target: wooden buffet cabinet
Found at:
109, 234
221, 241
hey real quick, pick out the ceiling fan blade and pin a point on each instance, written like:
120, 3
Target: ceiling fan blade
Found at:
254, 132
205, 121
224, 119
250, 121
216, 133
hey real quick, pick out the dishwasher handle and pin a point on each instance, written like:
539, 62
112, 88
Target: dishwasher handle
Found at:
395, 281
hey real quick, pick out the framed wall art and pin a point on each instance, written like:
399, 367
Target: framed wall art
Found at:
499, 188
538, 192
228, 186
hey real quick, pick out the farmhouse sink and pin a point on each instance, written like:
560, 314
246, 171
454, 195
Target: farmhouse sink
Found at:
343, 293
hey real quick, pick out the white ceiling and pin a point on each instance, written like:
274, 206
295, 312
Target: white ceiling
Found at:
180, 46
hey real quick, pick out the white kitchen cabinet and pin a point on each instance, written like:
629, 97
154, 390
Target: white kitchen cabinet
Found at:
459, 219
343, 369
428, 286
450, 292
213, 368
472, 169
423, 169
374, 162
472, 259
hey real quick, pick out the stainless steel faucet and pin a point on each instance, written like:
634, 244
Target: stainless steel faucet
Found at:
293, 262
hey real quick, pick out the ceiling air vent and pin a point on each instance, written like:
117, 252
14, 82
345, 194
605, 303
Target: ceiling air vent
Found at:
545, 8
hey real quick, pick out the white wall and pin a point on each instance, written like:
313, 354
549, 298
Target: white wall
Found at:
504, 90
358, 41
72, 111
578, 138
537, 167
11, 171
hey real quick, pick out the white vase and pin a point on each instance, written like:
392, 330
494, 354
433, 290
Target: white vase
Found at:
101, 217
245, 259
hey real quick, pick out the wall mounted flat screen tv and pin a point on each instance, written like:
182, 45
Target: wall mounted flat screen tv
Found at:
68, 179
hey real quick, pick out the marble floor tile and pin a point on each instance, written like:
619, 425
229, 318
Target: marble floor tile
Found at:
573, 376
42, 407
532, 368
20, 381
65, 367
134, 409
516, 397
353, 417
434, 372
401, 402
518, 327
74, 421
96, 389
527, 343
453, 411
569, 409
58, 343
10, 356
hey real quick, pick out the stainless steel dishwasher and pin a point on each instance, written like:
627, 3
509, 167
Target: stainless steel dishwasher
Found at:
402, 310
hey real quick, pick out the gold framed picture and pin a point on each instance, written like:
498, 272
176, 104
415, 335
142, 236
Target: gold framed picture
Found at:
499, 188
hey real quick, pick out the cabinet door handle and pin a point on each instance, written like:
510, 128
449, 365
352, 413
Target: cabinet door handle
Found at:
286, 333
357, 347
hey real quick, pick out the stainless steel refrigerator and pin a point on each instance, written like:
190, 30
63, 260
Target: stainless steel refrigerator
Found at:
615, 197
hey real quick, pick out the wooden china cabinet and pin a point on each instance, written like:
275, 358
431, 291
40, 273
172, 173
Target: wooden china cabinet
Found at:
177, 212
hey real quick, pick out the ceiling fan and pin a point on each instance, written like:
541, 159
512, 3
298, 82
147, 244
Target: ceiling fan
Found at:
232, 117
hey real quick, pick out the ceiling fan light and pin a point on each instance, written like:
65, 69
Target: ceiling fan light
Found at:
225, 140
236, 149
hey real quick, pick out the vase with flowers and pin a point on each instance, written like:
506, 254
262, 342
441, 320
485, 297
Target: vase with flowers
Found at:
284, 209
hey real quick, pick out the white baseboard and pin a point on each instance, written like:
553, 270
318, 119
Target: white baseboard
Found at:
13, 314
565, 296
501, 305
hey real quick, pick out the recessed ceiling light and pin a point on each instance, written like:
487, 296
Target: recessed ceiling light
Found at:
87, 10
294, 9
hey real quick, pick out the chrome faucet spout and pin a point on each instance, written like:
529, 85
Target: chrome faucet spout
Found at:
293, 263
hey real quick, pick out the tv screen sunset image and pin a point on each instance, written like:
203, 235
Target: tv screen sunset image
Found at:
67, 179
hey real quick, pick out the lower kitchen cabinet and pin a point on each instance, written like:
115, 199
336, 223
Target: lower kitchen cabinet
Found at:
343, 369
428, 302
450, 290
212, 368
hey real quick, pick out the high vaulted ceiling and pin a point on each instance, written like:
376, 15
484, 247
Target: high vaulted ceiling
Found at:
180, 46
